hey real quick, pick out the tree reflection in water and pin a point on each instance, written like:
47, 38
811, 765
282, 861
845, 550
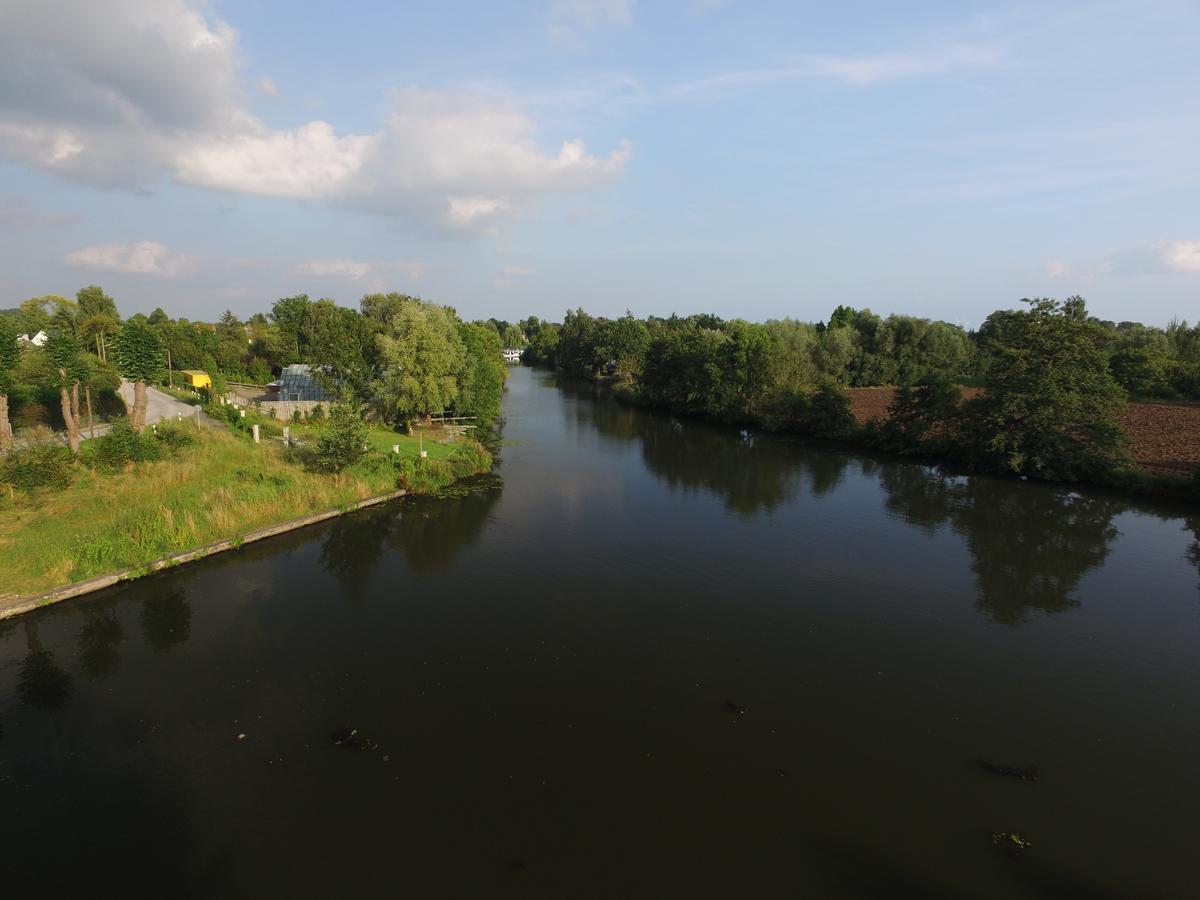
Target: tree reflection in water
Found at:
41, 681
166, 618
100, 641
1030, 544
750, 472
432, 531
428, 531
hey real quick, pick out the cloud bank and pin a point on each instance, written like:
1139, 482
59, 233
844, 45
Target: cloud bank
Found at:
135, 90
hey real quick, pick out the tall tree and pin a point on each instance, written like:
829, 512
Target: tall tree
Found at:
140, 357
421, 357
64, 351
9, 329
92, 301
481, 385
1049, 404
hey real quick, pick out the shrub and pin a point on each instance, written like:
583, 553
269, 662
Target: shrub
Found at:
119, 446
317, 415
42, 464
174, 435
342, 443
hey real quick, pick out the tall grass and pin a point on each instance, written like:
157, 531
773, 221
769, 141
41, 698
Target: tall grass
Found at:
221, 488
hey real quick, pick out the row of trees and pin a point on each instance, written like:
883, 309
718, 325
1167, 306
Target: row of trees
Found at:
857, 348
409, 357
1053, 377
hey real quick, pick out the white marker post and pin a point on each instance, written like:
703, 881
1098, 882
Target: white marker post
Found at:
255, 428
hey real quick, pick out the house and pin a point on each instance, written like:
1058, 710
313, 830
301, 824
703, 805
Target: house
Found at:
195, 378
296, 382
37, 340
512, 355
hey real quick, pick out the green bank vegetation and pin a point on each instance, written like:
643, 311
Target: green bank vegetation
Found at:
1053, 379
76, 509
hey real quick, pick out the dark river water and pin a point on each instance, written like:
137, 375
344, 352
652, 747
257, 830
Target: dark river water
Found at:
649, 659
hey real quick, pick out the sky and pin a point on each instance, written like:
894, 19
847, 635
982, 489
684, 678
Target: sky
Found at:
749, 159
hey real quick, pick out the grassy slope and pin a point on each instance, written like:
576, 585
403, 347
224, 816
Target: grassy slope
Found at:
220, 489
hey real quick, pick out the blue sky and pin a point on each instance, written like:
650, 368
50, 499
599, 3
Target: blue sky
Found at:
749, 159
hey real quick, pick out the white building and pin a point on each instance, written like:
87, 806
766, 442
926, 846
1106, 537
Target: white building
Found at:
37, 340
512, 355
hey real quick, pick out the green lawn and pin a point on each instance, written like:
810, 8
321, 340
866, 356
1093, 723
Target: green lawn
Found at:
382, 438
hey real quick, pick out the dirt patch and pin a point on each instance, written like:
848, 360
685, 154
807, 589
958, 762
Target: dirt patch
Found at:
1164, 437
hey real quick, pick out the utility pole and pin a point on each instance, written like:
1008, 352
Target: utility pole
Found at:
170, 374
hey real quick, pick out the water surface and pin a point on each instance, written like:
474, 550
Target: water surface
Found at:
651, 658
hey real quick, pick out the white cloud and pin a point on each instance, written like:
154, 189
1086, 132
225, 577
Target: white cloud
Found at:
849, 69
141, 258
1055, 269
1181, 256
267, 87
138, 89
359, 271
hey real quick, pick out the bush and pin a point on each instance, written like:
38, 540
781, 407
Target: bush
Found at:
423, 476
174, 435
119, 446
342, 443
42, 464
31, 415
317, 415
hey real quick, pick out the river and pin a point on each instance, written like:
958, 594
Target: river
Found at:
649, 658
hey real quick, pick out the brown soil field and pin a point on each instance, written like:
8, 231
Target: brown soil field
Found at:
1164, 437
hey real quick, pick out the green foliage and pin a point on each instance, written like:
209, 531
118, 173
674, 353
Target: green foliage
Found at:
317, 416
175, 435
139, 353
1048, 409
481, 383
9, 330
828, 413
924, 417
342, 444
119, 446
422, 357
42, 464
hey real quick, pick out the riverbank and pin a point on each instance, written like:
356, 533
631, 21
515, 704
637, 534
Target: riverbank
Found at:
222, 488
1156, 473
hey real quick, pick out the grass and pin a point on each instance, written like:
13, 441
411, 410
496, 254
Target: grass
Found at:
383, 439
221, 488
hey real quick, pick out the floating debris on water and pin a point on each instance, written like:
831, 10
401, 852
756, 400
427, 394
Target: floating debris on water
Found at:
1011, 843
1024, 773
352, 740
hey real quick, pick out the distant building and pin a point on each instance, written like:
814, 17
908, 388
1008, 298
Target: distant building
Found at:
37, 340
512, 355
296, 382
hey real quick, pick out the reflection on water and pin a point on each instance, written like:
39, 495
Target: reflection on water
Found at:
166, 617
666, 659
100, 641
428, 531
1029, 547
41, 681
1030, 544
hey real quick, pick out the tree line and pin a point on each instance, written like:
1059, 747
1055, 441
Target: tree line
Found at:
406, 357
1052, 377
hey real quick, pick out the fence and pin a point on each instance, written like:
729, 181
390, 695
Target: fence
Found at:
282, 409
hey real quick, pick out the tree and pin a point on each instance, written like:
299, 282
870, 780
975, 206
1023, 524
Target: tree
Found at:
422, 357
339, 344
9, 328
513, 337
341, 443
158, 317
98, 329
140, 359
1049, 403
92, 301
64, 351
481, 384
37, 311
